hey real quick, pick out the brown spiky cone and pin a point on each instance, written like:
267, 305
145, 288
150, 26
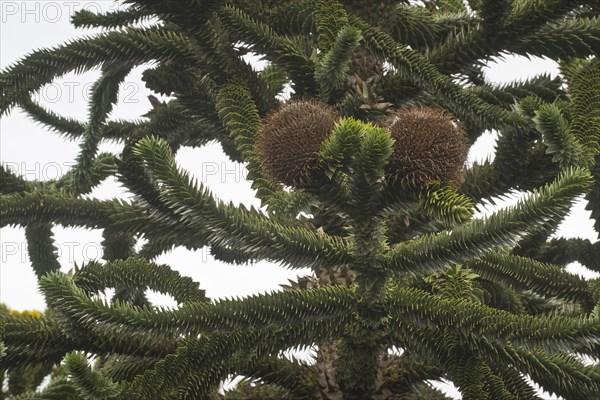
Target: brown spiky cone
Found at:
430, 145
289, 141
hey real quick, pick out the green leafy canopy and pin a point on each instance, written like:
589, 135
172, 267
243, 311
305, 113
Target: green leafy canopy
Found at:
407, 286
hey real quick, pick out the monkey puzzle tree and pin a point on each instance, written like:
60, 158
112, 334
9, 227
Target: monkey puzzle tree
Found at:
362, 178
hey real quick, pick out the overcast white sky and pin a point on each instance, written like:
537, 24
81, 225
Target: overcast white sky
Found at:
32, 151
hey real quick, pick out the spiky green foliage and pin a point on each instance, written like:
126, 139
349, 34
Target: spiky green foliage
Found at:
407, 286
